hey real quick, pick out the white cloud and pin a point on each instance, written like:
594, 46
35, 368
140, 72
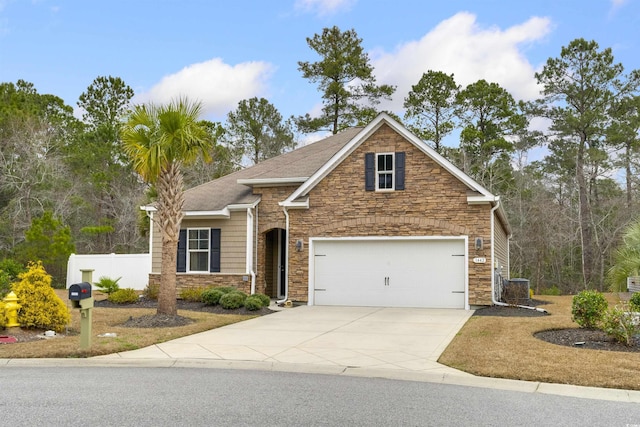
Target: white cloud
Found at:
217, 85
324, 7
615, 6
460, 46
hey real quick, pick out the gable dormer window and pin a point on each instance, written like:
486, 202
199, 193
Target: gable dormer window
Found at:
384, 171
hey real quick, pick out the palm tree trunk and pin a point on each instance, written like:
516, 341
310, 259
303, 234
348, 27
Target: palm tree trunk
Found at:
170, 202
167, 293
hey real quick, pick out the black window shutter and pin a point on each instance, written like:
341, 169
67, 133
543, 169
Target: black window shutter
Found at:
369, 171
214, 251
400, 170
182, 252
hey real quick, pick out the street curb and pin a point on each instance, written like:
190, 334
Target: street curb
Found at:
446, 378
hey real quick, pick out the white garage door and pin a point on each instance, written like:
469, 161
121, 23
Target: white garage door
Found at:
390, 273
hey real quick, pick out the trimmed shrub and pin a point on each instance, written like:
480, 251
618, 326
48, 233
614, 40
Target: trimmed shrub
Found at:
211, 296
107, 284
40, 306
242, 294
588, 308
620, 325
634, 302
123, 296
232, 300
151, 292
192, 294
266, 301
253, 303
227, 289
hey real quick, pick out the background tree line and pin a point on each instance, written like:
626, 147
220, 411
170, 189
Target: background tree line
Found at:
67, 185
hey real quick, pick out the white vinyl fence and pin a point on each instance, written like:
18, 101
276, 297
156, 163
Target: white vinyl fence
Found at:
132, 268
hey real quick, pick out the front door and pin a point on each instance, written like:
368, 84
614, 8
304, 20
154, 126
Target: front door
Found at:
282, 265
275, 265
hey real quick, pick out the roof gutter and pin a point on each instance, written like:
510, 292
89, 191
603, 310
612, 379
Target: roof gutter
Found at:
271, 182
297, 204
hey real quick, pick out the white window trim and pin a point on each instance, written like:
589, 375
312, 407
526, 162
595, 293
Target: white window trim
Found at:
189, 251
392, 172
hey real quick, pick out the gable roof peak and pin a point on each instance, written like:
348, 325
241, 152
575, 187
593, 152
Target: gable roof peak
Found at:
380, 120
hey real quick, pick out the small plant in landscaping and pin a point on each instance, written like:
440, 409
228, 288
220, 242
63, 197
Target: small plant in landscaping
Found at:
151, 292
588, 308
634, 302
620, 325
233, 300
123, 296
211, 296
266, 301
40, 306
253, 303
107, 284
192, 294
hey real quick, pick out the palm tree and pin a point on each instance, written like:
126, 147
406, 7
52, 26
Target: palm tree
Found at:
626, 259
159, 140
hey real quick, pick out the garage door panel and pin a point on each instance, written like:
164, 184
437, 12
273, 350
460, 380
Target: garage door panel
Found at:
390, 273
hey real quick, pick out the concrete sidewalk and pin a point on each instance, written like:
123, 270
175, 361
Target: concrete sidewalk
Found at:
365, 337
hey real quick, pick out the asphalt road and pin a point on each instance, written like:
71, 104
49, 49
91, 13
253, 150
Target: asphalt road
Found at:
119, 396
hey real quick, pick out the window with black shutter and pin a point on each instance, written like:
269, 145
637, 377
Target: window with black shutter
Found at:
384, 171
199, 250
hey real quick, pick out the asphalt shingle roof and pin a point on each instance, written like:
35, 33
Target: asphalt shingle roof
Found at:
303, 162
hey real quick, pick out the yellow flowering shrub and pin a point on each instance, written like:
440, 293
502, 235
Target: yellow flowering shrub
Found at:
40, 306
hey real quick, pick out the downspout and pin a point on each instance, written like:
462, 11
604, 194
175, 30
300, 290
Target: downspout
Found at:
493, 254
286, 257
250, 251
150, 216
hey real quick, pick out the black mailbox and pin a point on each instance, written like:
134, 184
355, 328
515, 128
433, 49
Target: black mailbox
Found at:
79, 291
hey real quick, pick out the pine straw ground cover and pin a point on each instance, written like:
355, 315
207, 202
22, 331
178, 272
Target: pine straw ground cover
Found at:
505, 347
108, 320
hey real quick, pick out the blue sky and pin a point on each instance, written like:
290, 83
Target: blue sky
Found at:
221, 52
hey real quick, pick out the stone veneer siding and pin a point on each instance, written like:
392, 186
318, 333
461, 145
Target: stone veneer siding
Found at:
434, 203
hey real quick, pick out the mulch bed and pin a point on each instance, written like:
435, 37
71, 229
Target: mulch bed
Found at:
167, 321
513, 311
593, 339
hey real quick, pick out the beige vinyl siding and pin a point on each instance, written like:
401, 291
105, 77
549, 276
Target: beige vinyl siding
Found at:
233, 244
156, 248
502, 248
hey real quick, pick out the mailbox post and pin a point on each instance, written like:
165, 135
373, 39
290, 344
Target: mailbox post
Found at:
80, 297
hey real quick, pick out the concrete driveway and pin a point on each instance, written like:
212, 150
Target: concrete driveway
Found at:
406, 339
